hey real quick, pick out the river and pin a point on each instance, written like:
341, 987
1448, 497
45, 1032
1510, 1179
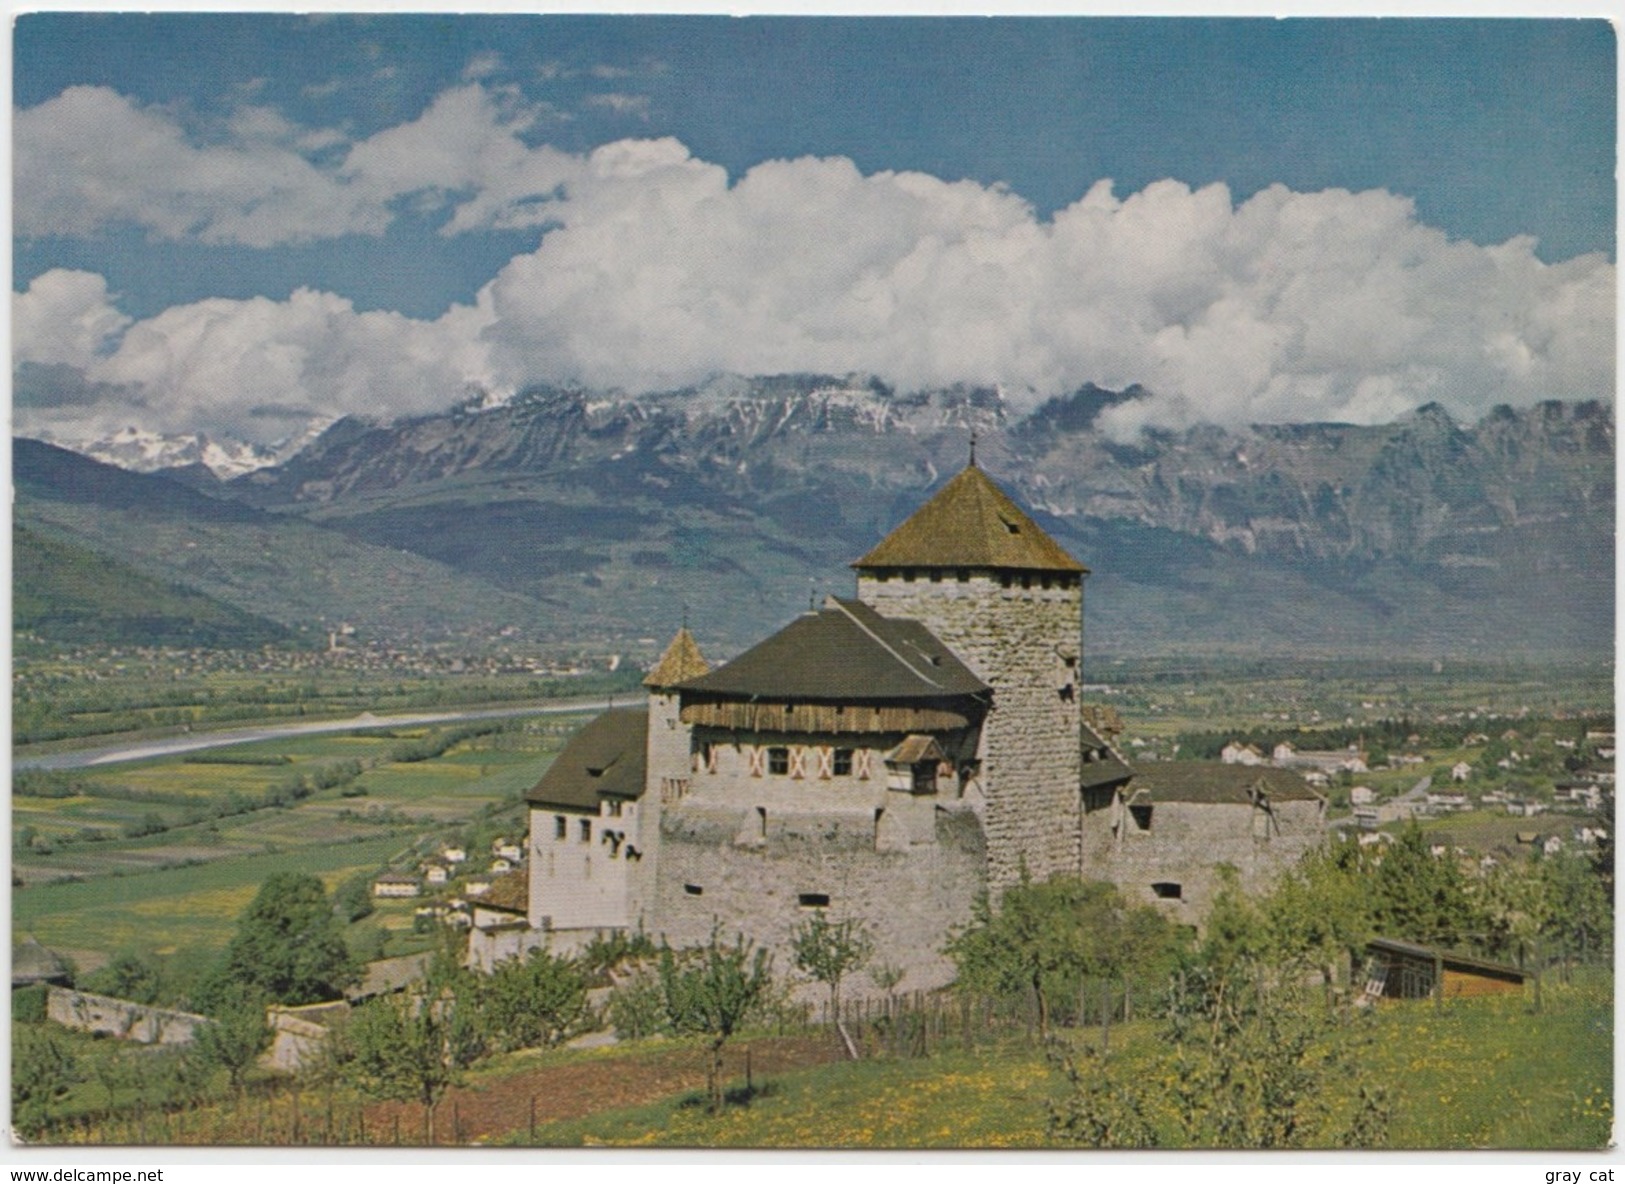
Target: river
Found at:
84, 758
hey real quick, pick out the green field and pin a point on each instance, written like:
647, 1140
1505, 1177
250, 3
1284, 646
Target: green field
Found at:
1480, 1073
180, 889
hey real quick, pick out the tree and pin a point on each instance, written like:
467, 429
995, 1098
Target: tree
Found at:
413, 1045
1319, 913
536, 1001
42, 1070
238, 1033
288, 945
1419, 897
827, 952
709, 991
352, 900
1049, 937
128, 976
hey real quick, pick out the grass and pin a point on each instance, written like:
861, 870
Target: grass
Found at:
1480, 1073
174, 908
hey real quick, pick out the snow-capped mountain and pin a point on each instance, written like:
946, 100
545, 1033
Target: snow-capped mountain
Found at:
142, 451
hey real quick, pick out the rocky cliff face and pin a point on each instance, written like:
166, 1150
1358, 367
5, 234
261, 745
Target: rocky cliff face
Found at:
743, 496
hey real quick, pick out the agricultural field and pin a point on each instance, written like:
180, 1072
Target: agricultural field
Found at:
161, 855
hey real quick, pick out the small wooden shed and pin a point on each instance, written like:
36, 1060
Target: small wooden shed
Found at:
1405, 970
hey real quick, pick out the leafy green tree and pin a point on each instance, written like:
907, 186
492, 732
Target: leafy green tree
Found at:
1319, 913
238, 1034
352, 900
129, 975
1046, 937
538, 1001
288, 945
710, 991
827, 951
1422, 898
43, 1069
412, 1045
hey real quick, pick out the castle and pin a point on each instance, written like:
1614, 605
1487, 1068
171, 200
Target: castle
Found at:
886, 758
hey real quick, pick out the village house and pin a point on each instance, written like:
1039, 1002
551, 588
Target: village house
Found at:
1350, 760
1236, 753
1460, 771
1362, 795
396, 884
887, 757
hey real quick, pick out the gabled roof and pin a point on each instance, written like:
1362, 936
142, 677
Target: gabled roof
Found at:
1214, 781
681, 662
33, 963
606, 758
844, 652
1099, 764
970, 522
510, 893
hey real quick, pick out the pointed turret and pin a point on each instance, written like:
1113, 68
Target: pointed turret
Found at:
970, 523
681, 662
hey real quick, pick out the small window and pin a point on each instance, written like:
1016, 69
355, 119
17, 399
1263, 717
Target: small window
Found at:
761, 821
1044, 583
613, 807
559, 826
843, 762
813, 900
1141, 816
693, 890
586, 830
1168, 890
778, 761
1005, 579
925, 777
1026, 581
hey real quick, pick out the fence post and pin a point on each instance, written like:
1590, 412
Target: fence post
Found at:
533, 1118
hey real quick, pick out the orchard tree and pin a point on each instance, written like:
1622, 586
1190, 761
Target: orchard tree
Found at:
534, 1002
710, 991
827, 951
237, 1034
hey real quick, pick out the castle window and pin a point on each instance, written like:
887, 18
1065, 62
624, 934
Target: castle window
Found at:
586, 830
1044, 583
693, 890
778, 761
613, 807
761, 821
1005, 579
925, 777
1168, 890
559, 826
1141, 816
1026, 581
843, 762
1012, 527
813, 900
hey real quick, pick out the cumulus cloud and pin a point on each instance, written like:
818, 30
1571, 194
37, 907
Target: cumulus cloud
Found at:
64, 318
656, 269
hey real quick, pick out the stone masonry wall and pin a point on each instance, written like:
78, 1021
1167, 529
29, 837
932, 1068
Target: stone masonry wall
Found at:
1017, 640
1188, 841
120, 1017
910, 890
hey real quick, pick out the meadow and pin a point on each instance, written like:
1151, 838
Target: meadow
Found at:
161, 855
1479, 1073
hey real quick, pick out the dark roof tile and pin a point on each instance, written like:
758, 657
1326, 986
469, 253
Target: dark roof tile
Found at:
606, 758
845, 652
1214, 781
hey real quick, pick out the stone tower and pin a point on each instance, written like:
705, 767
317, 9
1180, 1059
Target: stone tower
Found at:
670, 756
1008, 600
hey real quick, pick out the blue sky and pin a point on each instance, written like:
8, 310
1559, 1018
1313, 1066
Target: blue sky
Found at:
194, 164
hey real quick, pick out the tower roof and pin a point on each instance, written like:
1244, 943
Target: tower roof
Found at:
681, 662
970, 522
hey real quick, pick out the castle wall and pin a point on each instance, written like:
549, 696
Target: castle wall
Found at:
1026, 643
910, 889
579, 871
1186, 843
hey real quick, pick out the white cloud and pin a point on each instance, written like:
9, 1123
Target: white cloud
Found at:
64, 319
636, 106
656, 271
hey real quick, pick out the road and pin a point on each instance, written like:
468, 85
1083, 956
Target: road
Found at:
85, 758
